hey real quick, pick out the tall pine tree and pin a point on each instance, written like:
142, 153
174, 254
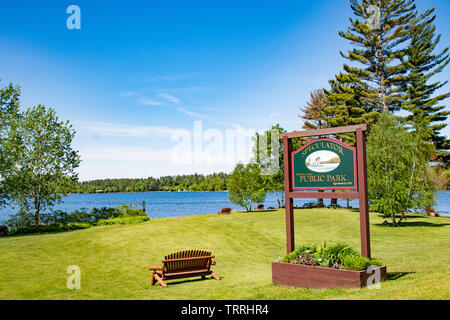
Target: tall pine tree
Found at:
426, 114
372, 84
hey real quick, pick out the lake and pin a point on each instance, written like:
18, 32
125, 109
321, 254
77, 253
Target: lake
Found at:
178, 204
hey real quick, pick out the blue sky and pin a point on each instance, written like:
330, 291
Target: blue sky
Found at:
137, 70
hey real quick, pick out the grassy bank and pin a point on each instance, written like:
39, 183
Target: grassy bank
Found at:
114, 259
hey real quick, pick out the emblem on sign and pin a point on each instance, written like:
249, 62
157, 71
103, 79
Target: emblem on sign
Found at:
324, 164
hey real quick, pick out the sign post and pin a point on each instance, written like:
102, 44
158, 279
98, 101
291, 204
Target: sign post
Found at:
326, 164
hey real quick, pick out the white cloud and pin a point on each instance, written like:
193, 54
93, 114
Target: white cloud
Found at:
128, 93
168, 97
149, 102
123, 153
101, 162
98, 169
190, 89
190, 113
273, 115
172, 77
106, 129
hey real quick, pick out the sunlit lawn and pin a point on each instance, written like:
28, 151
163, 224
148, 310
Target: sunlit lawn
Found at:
114, 259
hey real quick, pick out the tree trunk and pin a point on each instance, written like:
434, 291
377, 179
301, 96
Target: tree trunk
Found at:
320, 201
394, 223
383, 96
37, 207
333, 201
411, 180
382, 90
276, 197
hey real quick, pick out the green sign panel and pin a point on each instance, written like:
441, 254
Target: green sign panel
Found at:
324, 164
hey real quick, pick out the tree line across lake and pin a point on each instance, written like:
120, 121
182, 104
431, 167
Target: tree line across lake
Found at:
193, 182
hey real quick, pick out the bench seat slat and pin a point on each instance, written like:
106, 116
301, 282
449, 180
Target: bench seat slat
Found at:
186, 274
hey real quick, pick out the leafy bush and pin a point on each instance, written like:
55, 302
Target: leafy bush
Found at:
56, 227
122, 220
57, 221
105, 213
356, 262
340, 256
127, 210
20, 220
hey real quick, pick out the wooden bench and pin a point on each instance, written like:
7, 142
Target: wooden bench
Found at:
225, 211
184, 264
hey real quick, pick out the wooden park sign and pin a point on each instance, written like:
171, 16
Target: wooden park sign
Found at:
325, 164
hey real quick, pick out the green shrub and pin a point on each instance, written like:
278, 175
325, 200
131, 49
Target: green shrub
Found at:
57, 221
336, 256
55, 227
122, 220
358, 263
127, 210
104, 213
21, 219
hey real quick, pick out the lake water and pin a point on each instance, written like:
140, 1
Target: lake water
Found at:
177, 204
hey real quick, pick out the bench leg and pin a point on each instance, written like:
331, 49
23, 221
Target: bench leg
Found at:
214, 276
152, 280
158, 278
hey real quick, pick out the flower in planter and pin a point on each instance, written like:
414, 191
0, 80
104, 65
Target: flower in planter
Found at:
329, 256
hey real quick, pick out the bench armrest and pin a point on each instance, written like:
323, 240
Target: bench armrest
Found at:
155, 268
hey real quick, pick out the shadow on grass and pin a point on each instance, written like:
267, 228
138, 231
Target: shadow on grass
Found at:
30, 234
417, 216
413, 224
339, 208
175, 282
396, 275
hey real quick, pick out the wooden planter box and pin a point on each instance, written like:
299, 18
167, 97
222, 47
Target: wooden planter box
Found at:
302, 276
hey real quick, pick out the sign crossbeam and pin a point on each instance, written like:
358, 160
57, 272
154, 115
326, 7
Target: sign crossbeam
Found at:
319, 179
327, 131
324, 195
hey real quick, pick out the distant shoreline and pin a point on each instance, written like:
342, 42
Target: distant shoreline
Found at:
143, 192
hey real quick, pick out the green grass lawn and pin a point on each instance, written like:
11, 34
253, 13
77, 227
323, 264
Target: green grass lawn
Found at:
114, 259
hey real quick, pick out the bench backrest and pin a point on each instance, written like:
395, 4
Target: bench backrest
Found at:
189, 260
